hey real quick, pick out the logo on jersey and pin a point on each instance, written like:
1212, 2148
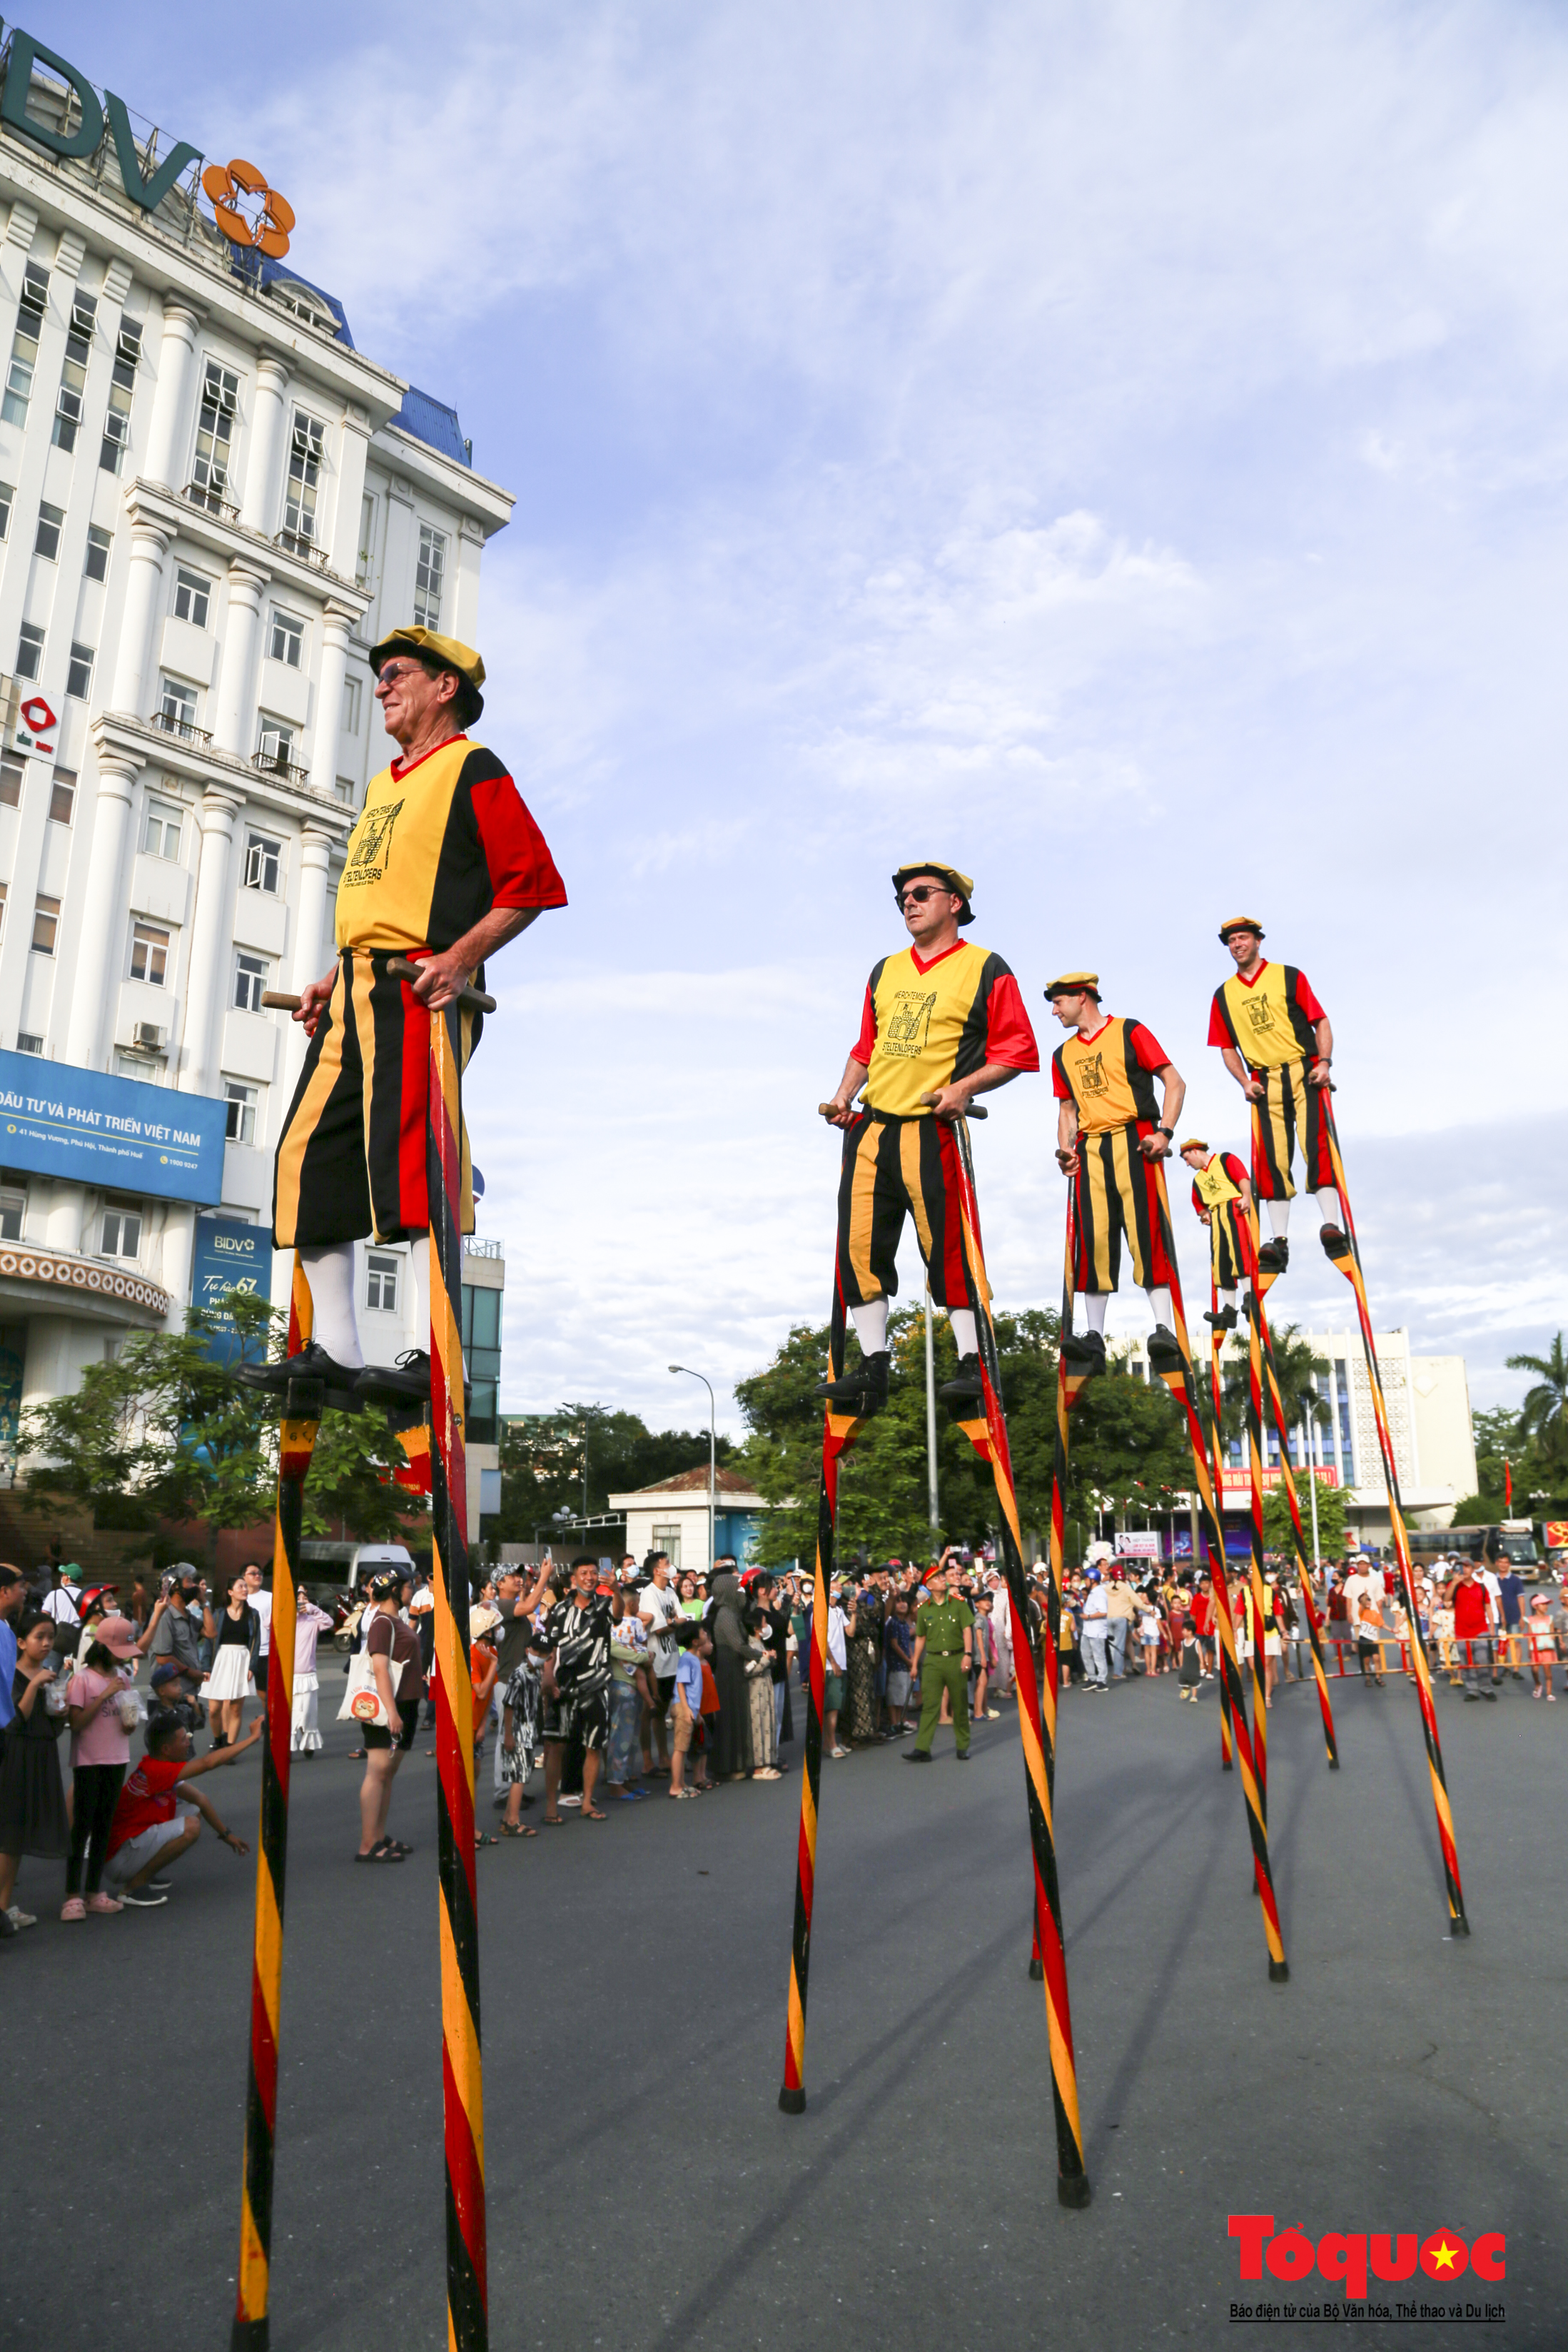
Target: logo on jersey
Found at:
370, 850
906, 1032
1259, 1013
1092, 1074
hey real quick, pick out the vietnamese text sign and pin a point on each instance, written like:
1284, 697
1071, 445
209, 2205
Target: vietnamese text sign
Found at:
228, 1255
58, 1120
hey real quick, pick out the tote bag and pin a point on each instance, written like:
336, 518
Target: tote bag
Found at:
362, 1696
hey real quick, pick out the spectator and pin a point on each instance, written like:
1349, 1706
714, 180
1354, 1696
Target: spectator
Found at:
1003, 1683
32, 1796
61, 1599
628, 1670
686, 1727
1121, 1611
862, 1657
733, 1757
13, 1600
177, 1670
898, 1649
1443, 1639
772, 1620
839, 1628
519, 1687
231, 1682
482, 1668
689, 1596
141, 1846
260, 1601
309, 1624
1475, 1615
1096, 1633
102, 1709
1191, 1668
141, 1606
577, 1636
658, 1609
982, 1658
1149, 1634
421, 1617
392, 1647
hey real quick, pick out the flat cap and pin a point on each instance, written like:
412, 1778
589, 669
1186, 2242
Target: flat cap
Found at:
960, 883
447, 651
1242, 923
1069, 983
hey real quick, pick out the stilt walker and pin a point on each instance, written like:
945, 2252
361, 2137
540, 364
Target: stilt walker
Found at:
1111, 1146
444, 864
1344, 1250
1304, 1570
303, 1407
1216, 1434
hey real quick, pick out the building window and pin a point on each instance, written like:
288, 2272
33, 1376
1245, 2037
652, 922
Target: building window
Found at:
287, 640
25, 344
668, 1539
177, 705
352, 692
12, 1208
73, 377
275, 747
29, 650
366, 556
427, 576
149, 954
26, 1042
62, 796
263, 863
47, 540
193, 595
241, 1102
121, 393
98, 546
346, 790
121, 1232
10, 783
250, 981
214, 430
162, 828
381, 1283
79, 672
45, 924
305, 448
148, 1069
7, 496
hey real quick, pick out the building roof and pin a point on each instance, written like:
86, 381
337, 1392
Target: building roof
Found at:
432, 422
694, 1482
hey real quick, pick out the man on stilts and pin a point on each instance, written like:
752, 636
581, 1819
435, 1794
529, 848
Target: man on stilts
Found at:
1278, 1045
445, 865
1221, 1194
1109, 1136
944, 1021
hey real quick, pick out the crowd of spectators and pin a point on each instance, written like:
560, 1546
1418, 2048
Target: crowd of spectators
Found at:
615, 1684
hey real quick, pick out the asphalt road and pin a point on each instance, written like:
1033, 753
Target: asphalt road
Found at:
644, 2191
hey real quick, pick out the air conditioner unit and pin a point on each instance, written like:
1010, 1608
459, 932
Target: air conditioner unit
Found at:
84, 315
146, 1037
129, 346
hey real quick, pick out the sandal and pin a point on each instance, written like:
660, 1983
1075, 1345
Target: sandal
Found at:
483, 1837
679, 1796
593, 1814
517, 1829
356, 1755
554, 1822
383, 1853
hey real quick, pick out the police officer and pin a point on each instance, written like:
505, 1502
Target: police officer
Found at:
944, 1634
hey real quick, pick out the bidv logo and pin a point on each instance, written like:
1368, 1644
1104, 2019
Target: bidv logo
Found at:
1347, 2262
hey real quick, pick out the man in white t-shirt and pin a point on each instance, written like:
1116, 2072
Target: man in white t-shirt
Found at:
660, 1612
261, 1601
1368, 1583
1096, 1633
60, 1602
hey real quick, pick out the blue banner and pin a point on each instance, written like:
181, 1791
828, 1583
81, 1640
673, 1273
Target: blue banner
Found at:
228, 1255
58, 1120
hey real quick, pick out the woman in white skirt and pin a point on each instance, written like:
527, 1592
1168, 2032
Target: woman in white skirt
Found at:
229, 1679
311, 1622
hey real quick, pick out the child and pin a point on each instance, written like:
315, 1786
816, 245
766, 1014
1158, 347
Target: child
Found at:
1191, 1673
1149, 1635
686, 1719
310, 1624
484, 1666
710, 1710
100, 1752
152, 1827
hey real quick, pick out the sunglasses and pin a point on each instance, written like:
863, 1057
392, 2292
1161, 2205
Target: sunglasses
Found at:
917, 897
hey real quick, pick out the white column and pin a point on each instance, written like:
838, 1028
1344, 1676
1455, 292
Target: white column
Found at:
258, 506
211, 932
63, 1227
97, 979
335, 625
233, 714
309, 962
143, 603
174, 1272
176, 362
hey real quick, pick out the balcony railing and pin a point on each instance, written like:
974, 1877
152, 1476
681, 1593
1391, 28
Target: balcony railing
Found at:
169, 722
273, 763
212, 502
305, 551
473, 1247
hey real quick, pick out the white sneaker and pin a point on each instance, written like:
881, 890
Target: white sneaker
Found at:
20, 1919
571, 1801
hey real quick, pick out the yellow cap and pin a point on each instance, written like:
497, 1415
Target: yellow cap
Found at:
448, 651
1192, 1143
960, 883
1242, 923
1072, 982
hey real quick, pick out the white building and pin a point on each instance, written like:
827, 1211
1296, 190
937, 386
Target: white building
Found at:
673, 1518
210, 505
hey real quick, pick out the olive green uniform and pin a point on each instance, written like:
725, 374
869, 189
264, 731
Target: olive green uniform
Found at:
943, 1625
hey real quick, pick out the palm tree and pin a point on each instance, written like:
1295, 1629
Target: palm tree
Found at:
1295, 1367
1545, 1412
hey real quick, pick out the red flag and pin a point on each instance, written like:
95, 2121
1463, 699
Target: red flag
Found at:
1507, 1485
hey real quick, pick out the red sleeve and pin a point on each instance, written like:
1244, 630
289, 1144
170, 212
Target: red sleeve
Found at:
1219, 1027
1233, 1168
865, 1044
1151, 1053
522, 871
1307, 1001
1009, 1039
1059, 1086
1198, 1199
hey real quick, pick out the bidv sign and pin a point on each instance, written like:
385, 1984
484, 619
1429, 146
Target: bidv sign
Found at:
247, 210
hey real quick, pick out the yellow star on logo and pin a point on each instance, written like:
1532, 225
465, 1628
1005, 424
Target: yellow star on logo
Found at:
1445, 2255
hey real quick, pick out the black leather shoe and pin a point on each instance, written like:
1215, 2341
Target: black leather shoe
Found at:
960, 1756
1164, 1350
917, 1755
405, 1383
1084, 1351
863, 1392
312, 1363
1224, 1321
967, 1387
1275, 1256
1335, 1241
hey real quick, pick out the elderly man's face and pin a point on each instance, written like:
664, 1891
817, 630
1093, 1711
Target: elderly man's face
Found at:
412, 701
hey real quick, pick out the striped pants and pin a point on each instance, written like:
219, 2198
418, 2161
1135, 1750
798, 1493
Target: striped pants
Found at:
1117, 1193
1226, 1256
350, 1159
1290, 1114
896, 1167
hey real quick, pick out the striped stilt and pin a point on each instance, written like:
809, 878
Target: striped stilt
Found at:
1216, 1434
1258, 1607
1348, 1260
302, 1419
1304, 1573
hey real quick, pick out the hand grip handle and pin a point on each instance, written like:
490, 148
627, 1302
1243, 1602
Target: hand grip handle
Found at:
279, 1000
400, 968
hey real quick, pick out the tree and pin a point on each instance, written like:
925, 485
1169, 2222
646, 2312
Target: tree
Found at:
352, 1493
1295, 1368
542, 1456
1543, 1415
1278, 1536
1128, 1449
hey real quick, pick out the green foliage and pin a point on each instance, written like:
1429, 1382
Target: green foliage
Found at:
1543, 1415
1278, 1536
351, 1494
542, 1459
1295, 1367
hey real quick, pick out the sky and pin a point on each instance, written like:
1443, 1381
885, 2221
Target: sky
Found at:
1119, 448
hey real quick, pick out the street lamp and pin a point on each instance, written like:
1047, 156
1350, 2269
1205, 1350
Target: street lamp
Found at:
712, 1457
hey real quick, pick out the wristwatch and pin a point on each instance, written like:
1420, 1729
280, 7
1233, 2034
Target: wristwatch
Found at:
1168, 1132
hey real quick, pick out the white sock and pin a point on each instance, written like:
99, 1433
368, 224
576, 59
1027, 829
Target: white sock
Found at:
1094, 1303
871, 1326
1329, 1209
1279, 1218
965, 1335
1160, 1300
329, 1270
1227, 1302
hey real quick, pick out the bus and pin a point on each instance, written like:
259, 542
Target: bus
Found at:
1515, 1540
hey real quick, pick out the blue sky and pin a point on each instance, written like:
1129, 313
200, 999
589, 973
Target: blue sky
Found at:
1118, 447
